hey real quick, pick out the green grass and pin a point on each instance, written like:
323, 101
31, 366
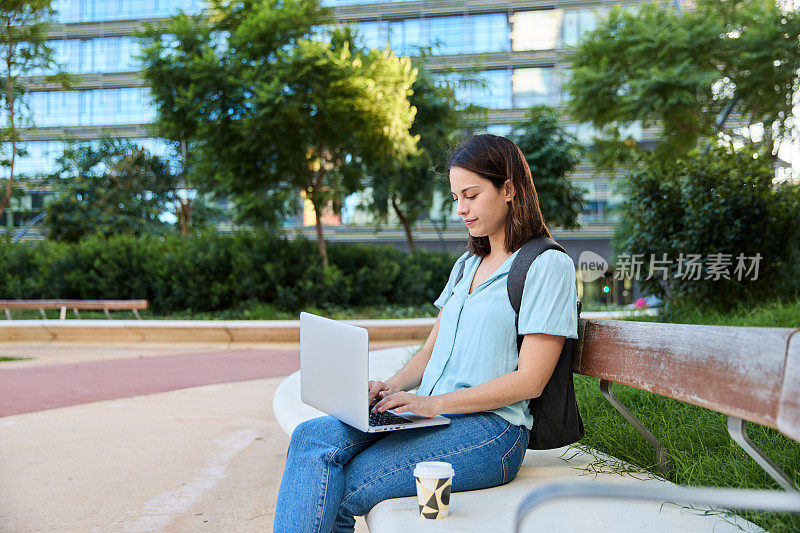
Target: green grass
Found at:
776, 314
12, 358
696, 439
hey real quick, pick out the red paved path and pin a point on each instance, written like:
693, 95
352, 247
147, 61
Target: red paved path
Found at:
24, 390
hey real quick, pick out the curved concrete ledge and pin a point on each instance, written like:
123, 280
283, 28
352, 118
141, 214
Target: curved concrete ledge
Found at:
207, 331
493, 509
214, 331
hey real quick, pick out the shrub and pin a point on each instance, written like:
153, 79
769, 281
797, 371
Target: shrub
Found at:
212, 272
724, 202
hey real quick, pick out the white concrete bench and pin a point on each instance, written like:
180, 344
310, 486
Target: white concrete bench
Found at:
494, 509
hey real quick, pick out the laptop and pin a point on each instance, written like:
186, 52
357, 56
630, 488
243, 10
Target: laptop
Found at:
334, 376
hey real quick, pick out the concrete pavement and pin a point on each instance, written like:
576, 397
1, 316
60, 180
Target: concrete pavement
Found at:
204, 458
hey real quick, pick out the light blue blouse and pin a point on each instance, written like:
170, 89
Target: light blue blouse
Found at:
476, 340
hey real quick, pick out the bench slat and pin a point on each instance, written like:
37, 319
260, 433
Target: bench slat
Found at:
99, 305
680, 361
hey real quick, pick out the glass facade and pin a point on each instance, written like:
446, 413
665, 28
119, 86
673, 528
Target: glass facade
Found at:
544, 29
94, 10
537, 30
493, 92
93, 107
457, 33
462, 34
576, 23
97, 55
41, 156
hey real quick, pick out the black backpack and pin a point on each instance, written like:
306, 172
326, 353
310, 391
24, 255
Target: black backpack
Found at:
556, 419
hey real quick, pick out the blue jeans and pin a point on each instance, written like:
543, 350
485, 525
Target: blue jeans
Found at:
335, 472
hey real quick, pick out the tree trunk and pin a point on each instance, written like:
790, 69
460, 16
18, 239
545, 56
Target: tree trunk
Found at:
323, 250
406, 225
11, 100
185, 215
318, 180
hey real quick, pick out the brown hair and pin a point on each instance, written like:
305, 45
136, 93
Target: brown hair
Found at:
497, 159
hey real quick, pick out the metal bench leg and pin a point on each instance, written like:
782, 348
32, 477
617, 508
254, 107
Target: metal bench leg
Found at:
737, 429
8, 314
135, 312
44, 315
662, 457
108, 315
77, 314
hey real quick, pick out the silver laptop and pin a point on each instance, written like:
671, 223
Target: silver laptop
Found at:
334, 376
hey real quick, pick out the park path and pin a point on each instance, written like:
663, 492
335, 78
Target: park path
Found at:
35, 388
25, 390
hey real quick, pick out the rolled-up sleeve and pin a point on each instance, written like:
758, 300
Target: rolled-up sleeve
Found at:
550, 297
451, 282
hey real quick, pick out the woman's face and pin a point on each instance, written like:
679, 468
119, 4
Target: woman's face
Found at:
477, 200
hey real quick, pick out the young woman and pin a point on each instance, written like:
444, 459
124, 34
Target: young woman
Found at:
469, 368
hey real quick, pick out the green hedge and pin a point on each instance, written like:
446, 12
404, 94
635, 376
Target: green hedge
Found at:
209, 272
723, 202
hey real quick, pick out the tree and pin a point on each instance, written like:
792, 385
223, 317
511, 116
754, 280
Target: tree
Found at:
285, 109
167, 68
407, 186
114, 188
551, 154
686, 72
23, 49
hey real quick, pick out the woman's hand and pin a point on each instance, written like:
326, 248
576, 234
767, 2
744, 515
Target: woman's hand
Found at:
379, 389
406, 402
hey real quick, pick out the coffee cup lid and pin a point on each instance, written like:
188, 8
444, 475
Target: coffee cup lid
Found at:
435, 469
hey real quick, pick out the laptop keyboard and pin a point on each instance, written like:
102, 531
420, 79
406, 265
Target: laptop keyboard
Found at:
386, 419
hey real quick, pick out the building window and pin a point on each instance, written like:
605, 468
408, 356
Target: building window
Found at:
534, 86
576, 23
492, 90
490, 33
94, 107
444, 35
537, 30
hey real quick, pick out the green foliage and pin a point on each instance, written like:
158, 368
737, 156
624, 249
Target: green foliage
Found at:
275, 108
551, 153
24, 48
724, 202
407, 186
114, 188
657, 65
213, 272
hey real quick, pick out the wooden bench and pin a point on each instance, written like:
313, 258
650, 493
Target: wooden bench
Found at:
75, 305
749, 374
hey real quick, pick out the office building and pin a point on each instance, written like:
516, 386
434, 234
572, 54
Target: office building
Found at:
520, 46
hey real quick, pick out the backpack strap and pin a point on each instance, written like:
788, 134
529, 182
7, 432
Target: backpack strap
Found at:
519, 272
461, 270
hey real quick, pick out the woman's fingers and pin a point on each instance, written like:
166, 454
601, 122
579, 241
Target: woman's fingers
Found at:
392, 401
375, 388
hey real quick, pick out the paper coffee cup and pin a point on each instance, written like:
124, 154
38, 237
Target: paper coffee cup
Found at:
434, 481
